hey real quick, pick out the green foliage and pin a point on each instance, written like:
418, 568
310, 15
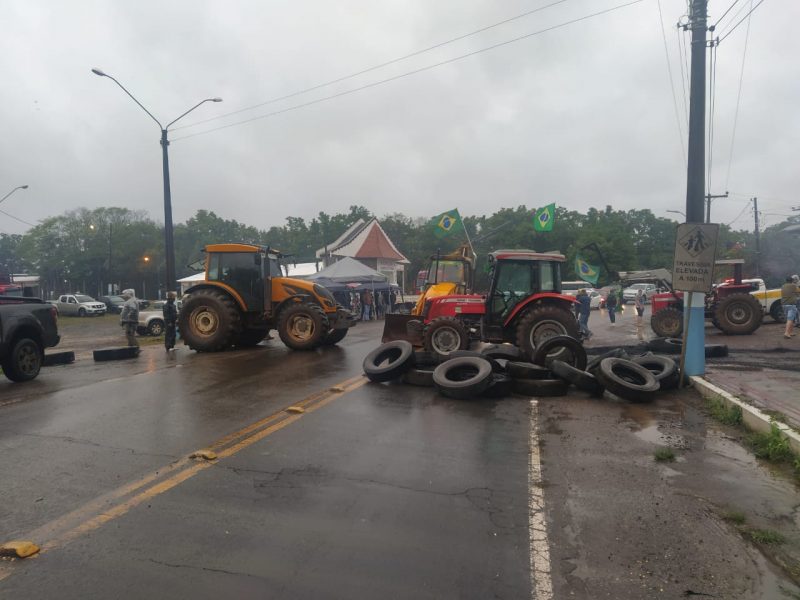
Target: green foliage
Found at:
772, 446
720, 411
735, 517
766, 536
664, 455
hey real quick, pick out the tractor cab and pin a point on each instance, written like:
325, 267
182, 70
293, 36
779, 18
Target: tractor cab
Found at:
246, 271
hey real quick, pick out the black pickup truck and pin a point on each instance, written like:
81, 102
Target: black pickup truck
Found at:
27, 327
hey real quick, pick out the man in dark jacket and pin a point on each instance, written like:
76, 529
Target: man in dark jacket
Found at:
170, 321
584, 310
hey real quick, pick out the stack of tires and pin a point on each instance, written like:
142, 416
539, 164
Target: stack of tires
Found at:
498, 371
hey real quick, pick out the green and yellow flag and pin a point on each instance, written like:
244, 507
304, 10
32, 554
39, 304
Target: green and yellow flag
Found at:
544, 217
586, 271
447, 223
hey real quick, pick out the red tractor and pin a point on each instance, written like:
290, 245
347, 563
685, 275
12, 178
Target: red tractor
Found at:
730, 306
524, 306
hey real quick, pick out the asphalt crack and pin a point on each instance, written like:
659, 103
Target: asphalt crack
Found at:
84, 442
207, 569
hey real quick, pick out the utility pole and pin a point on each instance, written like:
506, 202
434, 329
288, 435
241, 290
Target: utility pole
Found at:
709, 198
694, 361
758, 236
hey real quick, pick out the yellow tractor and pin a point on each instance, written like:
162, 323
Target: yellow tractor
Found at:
447, 275
245, 294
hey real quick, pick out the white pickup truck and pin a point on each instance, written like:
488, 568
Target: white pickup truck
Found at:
770, 299
79, 305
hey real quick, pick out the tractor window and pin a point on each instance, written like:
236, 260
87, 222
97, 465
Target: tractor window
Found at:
238, 270
514, 282
548, 275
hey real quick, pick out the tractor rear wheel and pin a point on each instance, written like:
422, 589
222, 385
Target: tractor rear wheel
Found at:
668, 322
303, 326
542, 322
209, 321
444, 336
738, 314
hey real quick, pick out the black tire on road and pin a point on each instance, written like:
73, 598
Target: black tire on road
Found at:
776, 312
463, 378
668, 322
426, 359
24, 361
666, 345
506, 351
542, 322
445, 335
594, 362
120, 353
663, 368
81, 312
572, 348
525, 370
389, 361
462, 353
501, 386
155, 327
209, 321
545, 388
739, 314
334, 337
303, 326
422, 377
580, 379
251, 337
58, 358
627, 380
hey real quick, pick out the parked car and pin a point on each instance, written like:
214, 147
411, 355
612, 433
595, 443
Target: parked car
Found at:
79, 305
113, 303
595, 299
629, 293
151, 322
27, 327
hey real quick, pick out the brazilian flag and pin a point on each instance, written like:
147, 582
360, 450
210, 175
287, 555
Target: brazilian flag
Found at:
544, 217
447, 223
586, 271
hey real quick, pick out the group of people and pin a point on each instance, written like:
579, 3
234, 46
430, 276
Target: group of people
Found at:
790, 300
614, 304
129, 318
370, 306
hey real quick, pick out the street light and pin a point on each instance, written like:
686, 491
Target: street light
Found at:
168, 233
678, 212
19, 187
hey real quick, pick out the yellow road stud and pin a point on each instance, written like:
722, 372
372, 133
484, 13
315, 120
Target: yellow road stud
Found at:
204, 454
19, 549
296, 409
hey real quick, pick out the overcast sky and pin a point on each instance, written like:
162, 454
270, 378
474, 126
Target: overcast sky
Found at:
581, 116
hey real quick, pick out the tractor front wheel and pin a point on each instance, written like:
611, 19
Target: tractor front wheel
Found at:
445, 335
739, 314
668, 323
542, 322
209, 321
303, 326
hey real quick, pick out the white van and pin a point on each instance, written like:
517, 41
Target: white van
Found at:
570, 288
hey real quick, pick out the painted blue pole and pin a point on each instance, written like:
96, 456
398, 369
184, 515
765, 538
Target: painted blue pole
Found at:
694, 325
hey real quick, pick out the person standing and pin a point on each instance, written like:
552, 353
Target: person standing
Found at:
170, 312
789, 299
611, 305
129, 318
367, 303
638, 305
584, 310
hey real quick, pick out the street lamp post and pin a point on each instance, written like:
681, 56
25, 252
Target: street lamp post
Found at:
19, 187
678, 212
168, 232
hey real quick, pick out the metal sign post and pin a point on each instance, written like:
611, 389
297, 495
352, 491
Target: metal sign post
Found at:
693, 271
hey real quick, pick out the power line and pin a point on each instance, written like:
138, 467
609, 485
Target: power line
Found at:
18, 219
740, 214
730, 31
725, 13
409, 73
671, 82
373, 68
738, 100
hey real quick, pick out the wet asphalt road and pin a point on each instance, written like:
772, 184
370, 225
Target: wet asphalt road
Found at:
373, 491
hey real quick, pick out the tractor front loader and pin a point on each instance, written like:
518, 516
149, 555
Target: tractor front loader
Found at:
244, 295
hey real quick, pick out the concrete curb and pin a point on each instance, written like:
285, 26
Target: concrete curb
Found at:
752, 417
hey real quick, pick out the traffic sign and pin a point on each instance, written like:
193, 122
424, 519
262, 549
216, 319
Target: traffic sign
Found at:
695, 250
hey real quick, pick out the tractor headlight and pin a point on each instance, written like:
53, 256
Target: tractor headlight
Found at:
325, 295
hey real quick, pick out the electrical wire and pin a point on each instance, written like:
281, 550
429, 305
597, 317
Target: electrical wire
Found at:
738, 101
740, 214
409, 73
684, 70
712, 87
671, 82
730, 31
373, 68
18, 219
725, 13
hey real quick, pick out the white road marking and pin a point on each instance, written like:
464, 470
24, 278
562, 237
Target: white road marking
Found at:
541, 584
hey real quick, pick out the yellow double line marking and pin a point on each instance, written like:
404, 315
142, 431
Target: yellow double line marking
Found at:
116, 503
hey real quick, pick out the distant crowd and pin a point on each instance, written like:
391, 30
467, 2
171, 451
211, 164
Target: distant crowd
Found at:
368, 305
